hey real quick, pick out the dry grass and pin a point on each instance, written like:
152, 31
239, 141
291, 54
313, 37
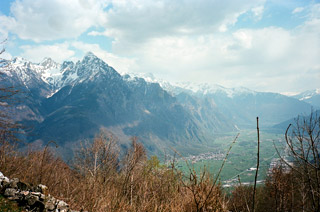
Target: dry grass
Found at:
101, 181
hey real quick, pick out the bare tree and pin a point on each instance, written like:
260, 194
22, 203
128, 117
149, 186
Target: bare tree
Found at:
98, 159
8, 128
132, 162
303, 141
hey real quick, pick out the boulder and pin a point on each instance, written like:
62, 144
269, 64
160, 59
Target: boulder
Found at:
10, 192
62, 205
14, 183
43, 189
31, 199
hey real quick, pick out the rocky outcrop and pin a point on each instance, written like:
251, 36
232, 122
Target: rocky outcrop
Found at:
31, 198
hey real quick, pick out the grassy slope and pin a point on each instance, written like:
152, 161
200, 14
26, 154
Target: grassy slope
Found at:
9, 206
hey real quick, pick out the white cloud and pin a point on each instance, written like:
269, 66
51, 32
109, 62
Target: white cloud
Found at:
40, 20
96, 33
315, 11
258, 12
135, 22
178, 40
6, 23
297, 10
67, 51
58, 52
272, 58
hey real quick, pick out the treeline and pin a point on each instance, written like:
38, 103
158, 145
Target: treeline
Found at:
99, 179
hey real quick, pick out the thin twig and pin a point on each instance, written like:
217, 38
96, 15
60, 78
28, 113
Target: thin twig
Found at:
256, 176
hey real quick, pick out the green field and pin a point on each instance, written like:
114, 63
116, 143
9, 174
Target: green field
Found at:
242, 157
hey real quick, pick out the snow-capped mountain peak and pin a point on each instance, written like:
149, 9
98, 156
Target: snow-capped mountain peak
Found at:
90, 55
32, 74
189, 87
307, 94
207, 88
48, 63
54, 74
90, 58
91, 66
19, 60
311, 96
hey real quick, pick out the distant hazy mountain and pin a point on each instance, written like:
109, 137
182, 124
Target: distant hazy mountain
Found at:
312, 97
242, 105
239, 105
281, 127
71, 101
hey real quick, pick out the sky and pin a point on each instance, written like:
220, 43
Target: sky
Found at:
263, 45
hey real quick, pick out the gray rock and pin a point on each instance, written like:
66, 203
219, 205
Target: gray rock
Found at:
50, 203
5, 180
14, 183
62, 205
49, 206
36, 193
43, 189
32, 199
10, 192
4, 184
42, 197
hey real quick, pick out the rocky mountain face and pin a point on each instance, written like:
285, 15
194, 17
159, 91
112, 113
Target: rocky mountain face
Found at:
71, 101
100, 97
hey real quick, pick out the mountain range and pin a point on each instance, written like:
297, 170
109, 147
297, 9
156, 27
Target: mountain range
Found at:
312, 97
70, 102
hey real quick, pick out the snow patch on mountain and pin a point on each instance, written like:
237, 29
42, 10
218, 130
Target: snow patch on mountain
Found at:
57, 75
44, 70
307, 94
207, 88
90, 67
190, 87
149, 78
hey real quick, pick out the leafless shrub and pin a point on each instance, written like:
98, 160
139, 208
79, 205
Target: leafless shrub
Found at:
303, 141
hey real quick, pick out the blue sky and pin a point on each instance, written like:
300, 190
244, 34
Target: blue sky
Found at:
264, 45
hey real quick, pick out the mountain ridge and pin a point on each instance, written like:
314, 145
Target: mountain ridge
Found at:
72, 101
311, 96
